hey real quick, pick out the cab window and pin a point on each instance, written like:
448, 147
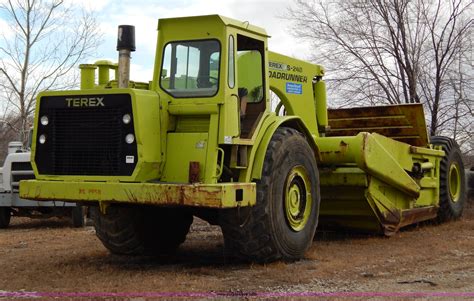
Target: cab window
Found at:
250, 67
250, 83
193, 68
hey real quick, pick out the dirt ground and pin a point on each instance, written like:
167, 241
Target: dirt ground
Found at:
48, 256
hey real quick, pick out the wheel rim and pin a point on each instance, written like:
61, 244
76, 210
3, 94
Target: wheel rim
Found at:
298, 198
454, 180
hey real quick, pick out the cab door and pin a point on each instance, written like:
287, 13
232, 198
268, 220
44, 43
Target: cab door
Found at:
250, 79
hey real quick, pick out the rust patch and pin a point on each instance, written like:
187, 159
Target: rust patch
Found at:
363, 162
199, 195
417, 215
389, 217
340, 153
391, 220
404, 123
343, 147
193, 172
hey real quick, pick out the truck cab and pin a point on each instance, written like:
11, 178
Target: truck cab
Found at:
198, 78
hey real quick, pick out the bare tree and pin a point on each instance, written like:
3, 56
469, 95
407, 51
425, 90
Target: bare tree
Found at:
395, 51
39, 50
8, 134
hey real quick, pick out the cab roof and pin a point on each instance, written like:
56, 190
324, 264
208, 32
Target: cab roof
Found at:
243, 25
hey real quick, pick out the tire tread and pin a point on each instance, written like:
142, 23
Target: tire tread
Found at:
447, 211
249, 238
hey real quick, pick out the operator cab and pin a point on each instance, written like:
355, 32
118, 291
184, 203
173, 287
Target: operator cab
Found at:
210, 59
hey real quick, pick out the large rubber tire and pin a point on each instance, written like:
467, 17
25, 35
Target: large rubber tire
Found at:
452, 194
5, 216
141, 230
269, 231
79, 216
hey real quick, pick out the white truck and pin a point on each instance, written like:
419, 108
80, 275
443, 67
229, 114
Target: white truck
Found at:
17, 167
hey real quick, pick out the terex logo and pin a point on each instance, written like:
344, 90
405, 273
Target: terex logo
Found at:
85, 102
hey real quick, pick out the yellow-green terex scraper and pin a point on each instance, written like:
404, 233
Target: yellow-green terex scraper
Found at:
201, 139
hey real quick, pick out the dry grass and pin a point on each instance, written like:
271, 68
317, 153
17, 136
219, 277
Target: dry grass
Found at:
50, 256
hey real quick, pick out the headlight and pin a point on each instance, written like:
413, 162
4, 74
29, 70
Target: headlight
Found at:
129, 138
44, 120
42, 139
126, 118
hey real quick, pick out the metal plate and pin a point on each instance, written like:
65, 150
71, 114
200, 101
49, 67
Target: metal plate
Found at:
405, 123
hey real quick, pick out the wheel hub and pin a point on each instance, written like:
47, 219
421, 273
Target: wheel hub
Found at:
294, 195
454, 180
298, 198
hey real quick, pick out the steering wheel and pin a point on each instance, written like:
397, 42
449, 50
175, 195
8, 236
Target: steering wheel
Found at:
204, 81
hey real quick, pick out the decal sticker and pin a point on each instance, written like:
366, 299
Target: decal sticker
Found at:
277, 66
130, 159
284, 67
292, 88
288, 76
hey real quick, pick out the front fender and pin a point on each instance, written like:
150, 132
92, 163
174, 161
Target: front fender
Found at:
258, 152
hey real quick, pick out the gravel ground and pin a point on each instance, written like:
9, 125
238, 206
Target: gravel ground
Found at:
48, 258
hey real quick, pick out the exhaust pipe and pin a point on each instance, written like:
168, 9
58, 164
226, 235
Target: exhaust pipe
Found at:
125, 46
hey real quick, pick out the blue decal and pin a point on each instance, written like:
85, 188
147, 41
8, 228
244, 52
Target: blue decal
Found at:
293, 88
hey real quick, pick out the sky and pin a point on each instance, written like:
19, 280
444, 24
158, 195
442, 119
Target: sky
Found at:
144, 15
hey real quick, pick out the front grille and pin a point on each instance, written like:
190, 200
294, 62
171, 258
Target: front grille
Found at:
22, 166
20, 171
85, 140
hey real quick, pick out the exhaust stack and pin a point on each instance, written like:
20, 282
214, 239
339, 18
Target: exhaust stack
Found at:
125, 45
